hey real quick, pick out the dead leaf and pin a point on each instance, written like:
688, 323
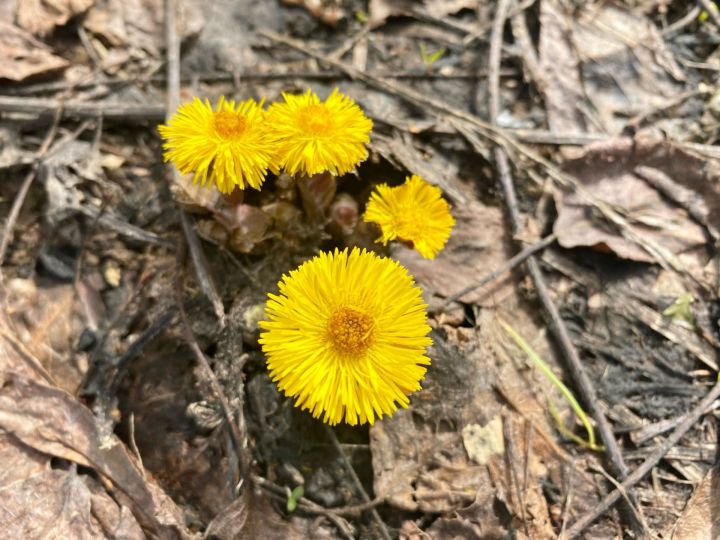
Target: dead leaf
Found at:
47, 322
51, 421
381, 10
701, 518
22, 56
483, 442
328, 11
52, 504
614, 57
607, 170
419, 457
40, 17
19, 461
252, 516
477, 245
443, 8
137, 25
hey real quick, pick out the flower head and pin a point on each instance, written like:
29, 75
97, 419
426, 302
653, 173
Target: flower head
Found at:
316, 136
229, 146
414, 212
347, 336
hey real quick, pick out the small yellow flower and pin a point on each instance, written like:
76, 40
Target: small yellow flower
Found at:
347, 336
230, 146
317, 136
414, 212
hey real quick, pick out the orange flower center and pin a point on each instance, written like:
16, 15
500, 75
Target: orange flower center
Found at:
229, 124
351, 331
315, 120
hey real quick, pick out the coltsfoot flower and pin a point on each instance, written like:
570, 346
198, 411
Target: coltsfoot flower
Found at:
414, 212
230, 146
347, 336
315, 136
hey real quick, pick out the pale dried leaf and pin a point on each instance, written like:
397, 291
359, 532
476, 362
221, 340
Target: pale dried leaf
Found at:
138, 24
328, 11
19, 461
607, 170
252, 516
603, 52
53, 422
483, 442
701, 518
22, 56
40, 17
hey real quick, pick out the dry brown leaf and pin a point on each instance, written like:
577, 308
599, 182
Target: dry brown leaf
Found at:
138, 24
701, 518
608, 170
420, 462
328, 11
59, 504
47, 322
614, 57
40, 17
22, 56
477, 245
19, 461
51, 421
252, 516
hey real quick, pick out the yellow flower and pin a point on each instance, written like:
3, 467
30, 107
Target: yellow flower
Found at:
414, 212
347, 336
230, 146
317, 136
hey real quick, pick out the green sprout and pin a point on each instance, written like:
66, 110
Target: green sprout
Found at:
429, 58
294, 497
564, 390
679, 310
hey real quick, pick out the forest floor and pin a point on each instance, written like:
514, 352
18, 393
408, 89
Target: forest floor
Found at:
576, 143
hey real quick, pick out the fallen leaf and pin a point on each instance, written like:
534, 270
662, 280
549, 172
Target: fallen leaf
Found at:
381, 10
483, 442
52, 504
608, 171
328, 11
252, 516
40, 17
477, 245
51, 421
22, 56
701, 518
607, 54
138, 25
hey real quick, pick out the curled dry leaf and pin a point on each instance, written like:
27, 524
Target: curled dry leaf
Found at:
611, 172
701, 517
40, 17
420, 461
137, 25
477, 244
23, 56
58, 504
614, 57
51, 421
328, 11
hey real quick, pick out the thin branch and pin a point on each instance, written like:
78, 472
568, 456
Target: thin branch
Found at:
25, 188
554, 320
358, 484
639, 473
511, 263
199, 260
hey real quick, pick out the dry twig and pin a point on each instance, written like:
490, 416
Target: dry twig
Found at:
639, 473
555, 321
